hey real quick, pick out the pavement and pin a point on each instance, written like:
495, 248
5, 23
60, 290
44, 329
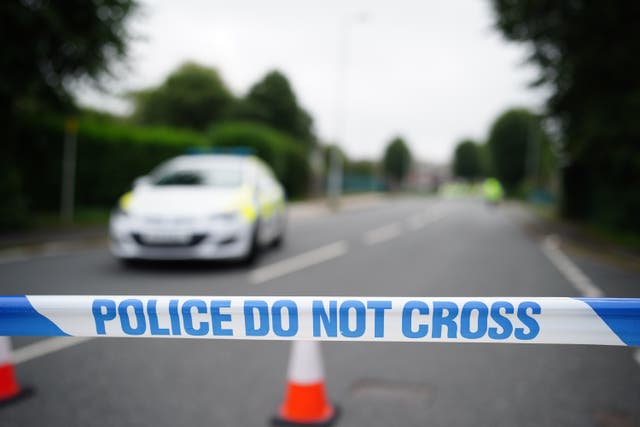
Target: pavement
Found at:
405, 246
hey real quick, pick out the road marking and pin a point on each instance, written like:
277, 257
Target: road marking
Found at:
417, 221
636, 355
382, 234
551, 248
44, 347
298, 262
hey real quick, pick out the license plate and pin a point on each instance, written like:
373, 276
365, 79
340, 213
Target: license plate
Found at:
165, 238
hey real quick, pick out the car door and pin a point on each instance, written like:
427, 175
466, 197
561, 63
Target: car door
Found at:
270, 205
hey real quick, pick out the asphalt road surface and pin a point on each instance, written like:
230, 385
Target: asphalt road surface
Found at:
403, 247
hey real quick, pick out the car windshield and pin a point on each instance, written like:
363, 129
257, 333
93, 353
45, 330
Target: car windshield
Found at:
209, 177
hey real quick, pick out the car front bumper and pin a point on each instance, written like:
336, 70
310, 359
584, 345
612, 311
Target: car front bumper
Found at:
131, 239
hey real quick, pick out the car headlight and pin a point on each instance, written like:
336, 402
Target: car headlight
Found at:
122, 207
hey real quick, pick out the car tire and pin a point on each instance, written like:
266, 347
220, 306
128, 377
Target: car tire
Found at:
278, 242
254, 247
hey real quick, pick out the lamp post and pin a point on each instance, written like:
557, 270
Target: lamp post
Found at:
334, 178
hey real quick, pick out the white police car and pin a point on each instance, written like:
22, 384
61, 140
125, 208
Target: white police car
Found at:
206, 206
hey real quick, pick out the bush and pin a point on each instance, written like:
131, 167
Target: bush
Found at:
287, 159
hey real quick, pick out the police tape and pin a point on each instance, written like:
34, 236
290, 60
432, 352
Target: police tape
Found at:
597, 321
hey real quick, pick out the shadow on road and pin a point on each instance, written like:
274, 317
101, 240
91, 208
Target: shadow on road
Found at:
186, 266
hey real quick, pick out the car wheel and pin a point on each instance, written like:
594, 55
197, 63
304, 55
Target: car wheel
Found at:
278, 242
254, 247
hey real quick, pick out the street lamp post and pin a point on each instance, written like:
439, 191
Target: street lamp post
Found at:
334, 178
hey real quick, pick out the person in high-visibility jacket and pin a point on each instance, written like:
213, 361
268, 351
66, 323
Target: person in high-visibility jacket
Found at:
492, 190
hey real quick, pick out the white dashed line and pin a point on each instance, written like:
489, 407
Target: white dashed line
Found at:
44, 347
384, 233
418, 221
298, 262
551, 248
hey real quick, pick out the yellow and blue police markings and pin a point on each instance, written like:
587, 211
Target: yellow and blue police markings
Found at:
597, 321
245, 202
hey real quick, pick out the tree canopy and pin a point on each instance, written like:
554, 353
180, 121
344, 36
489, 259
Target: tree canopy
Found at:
587, 55
509, 140
193, 96
47, 45
272, 101
467, 160
396, 161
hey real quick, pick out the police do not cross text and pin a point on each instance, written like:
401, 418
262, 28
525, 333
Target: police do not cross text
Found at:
324, 318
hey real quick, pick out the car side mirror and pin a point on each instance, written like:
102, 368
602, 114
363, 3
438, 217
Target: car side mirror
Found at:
141, 181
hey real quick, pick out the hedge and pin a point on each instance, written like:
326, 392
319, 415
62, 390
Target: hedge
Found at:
109, 157
287, 158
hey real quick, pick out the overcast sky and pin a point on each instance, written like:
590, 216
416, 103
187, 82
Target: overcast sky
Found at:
434, 72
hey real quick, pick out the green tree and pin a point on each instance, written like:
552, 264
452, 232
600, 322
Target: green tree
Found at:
587, 55
467, 160
193, 96
272, 101
362, 167
396, 161
510, 138
46, 46
485, 159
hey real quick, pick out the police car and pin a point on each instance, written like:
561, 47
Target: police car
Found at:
206, 206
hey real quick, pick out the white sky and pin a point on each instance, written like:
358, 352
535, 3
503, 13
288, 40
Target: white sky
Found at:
434, 72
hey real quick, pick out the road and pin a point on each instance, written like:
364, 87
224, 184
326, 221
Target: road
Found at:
403, 247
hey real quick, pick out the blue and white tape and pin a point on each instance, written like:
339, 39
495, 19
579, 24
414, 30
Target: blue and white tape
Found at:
598, 321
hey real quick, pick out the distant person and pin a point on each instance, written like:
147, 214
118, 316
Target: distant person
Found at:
492, 191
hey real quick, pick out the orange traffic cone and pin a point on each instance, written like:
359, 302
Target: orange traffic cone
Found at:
305, 401
9, 388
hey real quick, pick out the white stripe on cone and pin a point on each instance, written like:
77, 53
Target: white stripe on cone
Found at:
305, 364
5, 351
